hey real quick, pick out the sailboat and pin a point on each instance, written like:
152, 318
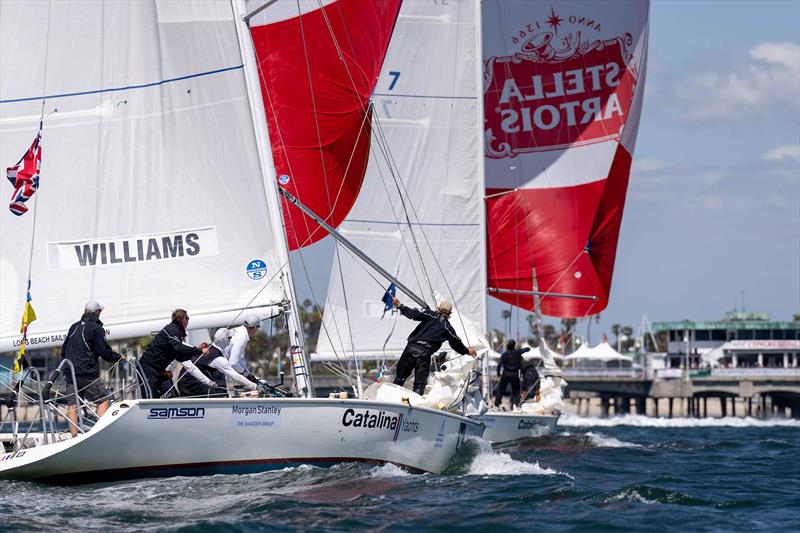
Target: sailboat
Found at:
158, 190
501, 168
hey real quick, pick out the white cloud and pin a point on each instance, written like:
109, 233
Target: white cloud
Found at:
647, 165
765, 84
785, 53
787, 151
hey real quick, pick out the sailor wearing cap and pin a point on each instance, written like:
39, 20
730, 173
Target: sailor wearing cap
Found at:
424, 341
239, 339
85, 342
215, 367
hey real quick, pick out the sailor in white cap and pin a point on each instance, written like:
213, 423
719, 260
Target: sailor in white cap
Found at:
424, 341
85, 342
239, 339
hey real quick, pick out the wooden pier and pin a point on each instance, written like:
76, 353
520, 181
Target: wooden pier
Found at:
757, 392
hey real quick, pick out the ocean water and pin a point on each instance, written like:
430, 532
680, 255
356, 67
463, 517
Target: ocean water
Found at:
620, 474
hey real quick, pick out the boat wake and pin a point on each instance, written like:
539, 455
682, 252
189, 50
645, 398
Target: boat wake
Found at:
477, 458
569, 420
602, 441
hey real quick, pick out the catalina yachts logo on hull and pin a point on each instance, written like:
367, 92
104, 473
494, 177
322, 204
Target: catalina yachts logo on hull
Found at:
168, 413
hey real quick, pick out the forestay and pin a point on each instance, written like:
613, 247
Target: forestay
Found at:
318, 64
427, 110
563, 90
151, 195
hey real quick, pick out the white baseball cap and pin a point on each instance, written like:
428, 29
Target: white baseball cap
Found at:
93, 306
252, 321
222, 338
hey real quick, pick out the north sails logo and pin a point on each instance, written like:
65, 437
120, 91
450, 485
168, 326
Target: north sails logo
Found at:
568, 84
165, 413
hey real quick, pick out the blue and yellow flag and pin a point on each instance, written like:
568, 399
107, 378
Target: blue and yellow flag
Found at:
28, 316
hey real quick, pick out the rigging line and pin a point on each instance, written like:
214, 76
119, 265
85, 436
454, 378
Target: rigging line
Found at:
38, 170
397, 222
324, 328
316, 302
405, 212
300, 253
303, 219
288, 213
316, 119
314, 106
339, 52
349, 326
391, 333
424, 235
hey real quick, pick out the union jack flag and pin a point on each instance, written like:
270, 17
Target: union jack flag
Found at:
24, 176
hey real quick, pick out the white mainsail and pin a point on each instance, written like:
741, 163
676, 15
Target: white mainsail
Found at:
151, 193
427, 112
164, 134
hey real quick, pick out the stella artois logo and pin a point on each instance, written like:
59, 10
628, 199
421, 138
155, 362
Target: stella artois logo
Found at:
568, 84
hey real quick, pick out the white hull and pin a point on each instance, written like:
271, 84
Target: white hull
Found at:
506, 426
157, 438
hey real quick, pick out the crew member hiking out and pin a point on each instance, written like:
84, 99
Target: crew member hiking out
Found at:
239, 338
169, 346
85, 342
214, 366
509, 366
424, 341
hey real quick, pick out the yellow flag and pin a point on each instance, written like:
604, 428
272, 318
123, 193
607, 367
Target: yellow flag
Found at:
18, 360
27, 317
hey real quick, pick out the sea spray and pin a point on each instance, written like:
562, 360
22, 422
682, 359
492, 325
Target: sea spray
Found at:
570, 420
478, 458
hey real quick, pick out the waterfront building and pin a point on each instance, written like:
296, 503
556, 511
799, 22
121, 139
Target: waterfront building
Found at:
739, 340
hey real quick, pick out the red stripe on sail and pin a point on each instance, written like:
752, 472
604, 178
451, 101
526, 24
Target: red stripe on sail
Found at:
324, 153
568, 233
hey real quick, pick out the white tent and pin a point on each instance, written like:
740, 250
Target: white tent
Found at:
602, 355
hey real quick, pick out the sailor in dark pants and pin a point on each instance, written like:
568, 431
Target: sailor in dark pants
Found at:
167, 347
530, 381
424, 341
509, 365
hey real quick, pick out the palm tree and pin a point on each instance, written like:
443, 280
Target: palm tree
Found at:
506, 314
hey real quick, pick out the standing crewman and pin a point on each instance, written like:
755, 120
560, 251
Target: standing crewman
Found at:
530, 381
239, 339
167, 347
85, 342
424, 341
509, 365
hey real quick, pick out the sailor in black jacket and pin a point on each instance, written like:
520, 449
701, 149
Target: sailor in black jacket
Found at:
509, 365
424, 341
85, 342
168, 346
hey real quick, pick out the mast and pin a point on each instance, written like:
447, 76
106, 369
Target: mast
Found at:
485, 388
296, 341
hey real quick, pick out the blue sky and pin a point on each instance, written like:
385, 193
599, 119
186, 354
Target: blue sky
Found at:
713, 207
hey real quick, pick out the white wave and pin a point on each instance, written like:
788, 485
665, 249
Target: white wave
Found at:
603, 441
489, 462
570, 420
630, 495
388, 470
